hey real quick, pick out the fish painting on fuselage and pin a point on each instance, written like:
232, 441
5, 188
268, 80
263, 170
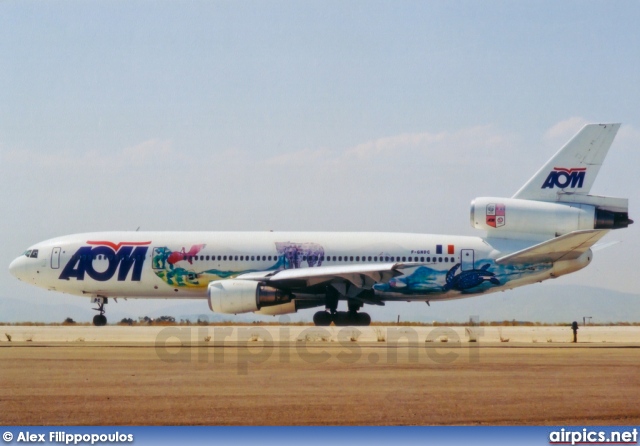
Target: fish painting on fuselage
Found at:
544, 231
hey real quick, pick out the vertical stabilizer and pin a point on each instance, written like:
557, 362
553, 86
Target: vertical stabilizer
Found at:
574, 168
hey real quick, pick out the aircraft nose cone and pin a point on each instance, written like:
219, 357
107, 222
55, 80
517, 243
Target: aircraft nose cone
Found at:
17, 268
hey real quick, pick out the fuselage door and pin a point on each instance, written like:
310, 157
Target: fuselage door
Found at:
55, 258
467, 260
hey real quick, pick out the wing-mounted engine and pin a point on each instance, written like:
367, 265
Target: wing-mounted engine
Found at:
243, 296
515, 216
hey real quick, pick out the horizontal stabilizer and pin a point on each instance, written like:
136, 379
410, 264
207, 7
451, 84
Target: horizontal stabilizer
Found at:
601, 246
566, 247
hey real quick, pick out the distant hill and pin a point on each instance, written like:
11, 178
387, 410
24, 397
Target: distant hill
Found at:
539, 303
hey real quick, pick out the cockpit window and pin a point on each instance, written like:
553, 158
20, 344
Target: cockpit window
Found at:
27, 253
34, 254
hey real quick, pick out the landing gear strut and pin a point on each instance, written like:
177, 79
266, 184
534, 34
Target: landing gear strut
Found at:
340, 318
100, 320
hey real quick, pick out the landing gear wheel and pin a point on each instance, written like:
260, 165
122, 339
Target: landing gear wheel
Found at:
322, 319
342, 319
363, 319
351, 318
99, 320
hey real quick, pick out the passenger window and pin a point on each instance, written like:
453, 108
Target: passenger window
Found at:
422, 259
351, 259
369, 258
357, 258
446, 259
439, 259
224, 258
404, 259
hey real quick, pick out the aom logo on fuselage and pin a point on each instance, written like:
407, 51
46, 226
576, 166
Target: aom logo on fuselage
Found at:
101, 261
563, 178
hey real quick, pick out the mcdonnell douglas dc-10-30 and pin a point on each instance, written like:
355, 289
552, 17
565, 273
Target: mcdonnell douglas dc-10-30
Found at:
544, 231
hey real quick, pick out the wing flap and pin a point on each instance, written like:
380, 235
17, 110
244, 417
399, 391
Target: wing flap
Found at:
566, 247
361, 276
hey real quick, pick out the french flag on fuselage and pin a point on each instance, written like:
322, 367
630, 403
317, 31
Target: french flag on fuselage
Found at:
450, 249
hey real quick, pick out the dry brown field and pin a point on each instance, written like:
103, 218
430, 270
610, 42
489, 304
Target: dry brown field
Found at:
307, 384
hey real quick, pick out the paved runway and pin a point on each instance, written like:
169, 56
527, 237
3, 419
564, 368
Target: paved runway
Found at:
311, 377
390, 334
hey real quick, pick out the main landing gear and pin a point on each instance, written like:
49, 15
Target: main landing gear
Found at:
340, 318
100, 320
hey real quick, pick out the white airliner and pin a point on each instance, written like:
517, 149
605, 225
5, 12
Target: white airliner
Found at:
544, 231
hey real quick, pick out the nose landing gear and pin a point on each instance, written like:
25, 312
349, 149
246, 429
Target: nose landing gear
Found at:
100, 320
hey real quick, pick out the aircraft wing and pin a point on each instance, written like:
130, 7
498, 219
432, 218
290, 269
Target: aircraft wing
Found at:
361, 276
566, 247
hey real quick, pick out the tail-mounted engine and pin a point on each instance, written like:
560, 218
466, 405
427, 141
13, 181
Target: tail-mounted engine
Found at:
511, 215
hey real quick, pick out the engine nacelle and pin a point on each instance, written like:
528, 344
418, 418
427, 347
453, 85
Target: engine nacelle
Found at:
276, 310
243, 296
532, 217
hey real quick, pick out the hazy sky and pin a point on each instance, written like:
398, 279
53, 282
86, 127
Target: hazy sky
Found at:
322, 116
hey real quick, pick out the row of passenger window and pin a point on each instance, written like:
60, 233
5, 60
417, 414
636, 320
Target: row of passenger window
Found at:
328, 258
314, 259
103, 257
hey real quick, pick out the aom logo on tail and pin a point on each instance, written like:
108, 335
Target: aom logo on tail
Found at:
563, 178
101, 261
